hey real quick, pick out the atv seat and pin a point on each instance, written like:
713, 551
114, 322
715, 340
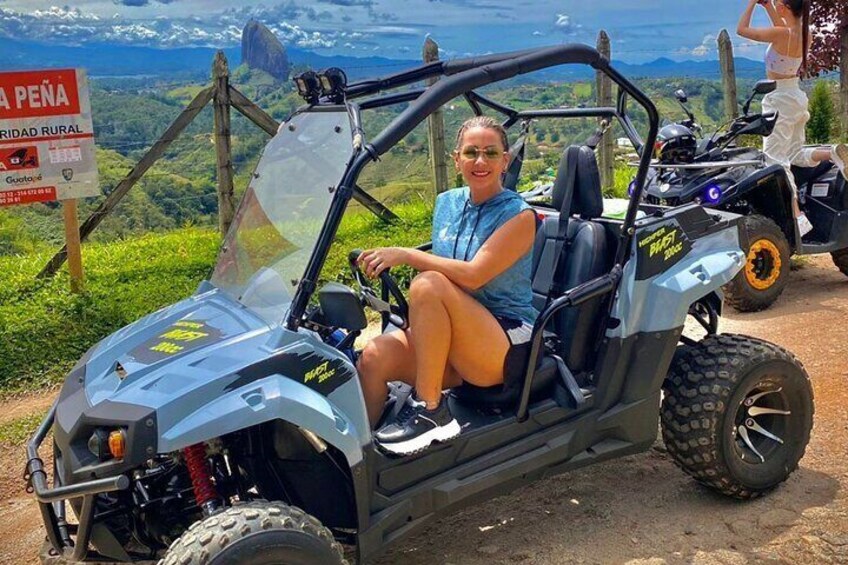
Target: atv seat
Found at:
583, 256
803, 175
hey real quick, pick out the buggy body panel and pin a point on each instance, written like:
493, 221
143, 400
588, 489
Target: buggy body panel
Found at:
249, 374
674, 266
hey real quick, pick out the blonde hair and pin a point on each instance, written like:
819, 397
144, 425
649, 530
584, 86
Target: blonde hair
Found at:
482, 122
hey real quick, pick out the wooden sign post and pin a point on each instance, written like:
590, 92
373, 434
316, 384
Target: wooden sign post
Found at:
47, 150
72, 241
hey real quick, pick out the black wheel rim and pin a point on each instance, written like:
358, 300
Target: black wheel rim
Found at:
761, 424
763, 265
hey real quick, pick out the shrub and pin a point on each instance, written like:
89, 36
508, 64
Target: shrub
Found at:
821, 114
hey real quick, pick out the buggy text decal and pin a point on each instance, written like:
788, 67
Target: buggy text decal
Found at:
319, 373
180, 337
659, 249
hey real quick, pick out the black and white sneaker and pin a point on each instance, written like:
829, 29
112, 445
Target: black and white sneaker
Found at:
416, 428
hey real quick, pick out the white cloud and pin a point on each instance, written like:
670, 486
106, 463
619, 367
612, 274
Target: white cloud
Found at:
75, 26
566, 25
707, 46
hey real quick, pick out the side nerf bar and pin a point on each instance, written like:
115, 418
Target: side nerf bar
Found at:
51, 501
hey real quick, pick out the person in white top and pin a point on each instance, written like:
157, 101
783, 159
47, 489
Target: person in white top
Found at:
786, 59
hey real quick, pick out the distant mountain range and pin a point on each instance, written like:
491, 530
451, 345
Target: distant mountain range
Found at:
115, 60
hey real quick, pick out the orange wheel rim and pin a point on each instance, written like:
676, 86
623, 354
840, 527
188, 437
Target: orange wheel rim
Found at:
763, 266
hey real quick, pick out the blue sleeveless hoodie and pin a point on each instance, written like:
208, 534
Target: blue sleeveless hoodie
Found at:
460, 228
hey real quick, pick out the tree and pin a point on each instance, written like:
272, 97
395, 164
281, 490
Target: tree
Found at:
829, 48
821, 113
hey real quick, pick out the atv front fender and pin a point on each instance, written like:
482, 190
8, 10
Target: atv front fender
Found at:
660, 302
274, 397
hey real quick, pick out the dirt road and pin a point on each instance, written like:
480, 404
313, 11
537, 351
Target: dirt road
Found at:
637, 510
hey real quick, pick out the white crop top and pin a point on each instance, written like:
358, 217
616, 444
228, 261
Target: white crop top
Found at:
781, 64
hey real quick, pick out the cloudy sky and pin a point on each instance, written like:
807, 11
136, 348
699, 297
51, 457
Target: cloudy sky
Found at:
641, 30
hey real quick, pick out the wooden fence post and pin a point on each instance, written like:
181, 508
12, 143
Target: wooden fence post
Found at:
603, 86
436, 129
221, 103
72, 242
728, 75
90, 224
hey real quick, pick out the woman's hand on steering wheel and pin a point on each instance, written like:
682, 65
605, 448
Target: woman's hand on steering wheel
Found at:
397, 313
375, 261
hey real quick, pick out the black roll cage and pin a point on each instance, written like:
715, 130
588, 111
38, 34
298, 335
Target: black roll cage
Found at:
461, 77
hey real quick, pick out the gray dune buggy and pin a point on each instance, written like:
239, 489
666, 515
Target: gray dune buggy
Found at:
231, 427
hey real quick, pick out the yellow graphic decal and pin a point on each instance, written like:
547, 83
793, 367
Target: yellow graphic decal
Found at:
322, 372
664, 241
183, 335
192, 325
167, 347
180, 337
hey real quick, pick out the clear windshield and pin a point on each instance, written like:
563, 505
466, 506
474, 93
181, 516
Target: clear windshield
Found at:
280, 217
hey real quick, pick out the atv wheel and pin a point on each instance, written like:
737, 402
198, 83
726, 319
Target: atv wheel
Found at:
256, 533
840, 259
762, 280
737, 414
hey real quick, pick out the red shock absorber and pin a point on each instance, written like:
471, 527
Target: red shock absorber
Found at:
204, 491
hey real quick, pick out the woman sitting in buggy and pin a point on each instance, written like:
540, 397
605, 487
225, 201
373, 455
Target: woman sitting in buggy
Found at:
471, 311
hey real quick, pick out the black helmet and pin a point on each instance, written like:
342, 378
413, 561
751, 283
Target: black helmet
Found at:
676, 144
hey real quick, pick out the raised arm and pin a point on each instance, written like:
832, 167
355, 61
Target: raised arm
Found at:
775, 18
762, 34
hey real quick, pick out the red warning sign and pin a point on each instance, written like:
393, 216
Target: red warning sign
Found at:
27, 195
31, 94
47, 146
18, 158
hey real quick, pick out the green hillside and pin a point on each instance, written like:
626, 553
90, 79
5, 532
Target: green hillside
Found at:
179, 190
44, 328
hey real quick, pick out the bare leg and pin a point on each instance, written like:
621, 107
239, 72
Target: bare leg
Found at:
452, 329
386, 358
822, 154
456, 336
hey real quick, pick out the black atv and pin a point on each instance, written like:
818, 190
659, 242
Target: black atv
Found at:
717, 172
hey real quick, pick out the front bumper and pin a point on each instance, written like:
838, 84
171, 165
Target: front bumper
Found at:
51, 501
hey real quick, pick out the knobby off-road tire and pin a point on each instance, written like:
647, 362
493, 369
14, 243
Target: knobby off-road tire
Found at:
256, 533
727, 382
766, 272
840, 259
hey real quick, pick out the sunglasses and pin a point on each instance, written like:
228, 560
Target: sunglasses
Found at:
489, 153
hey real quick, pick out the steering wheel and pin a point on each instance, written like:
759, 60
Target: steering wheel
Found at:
398, 313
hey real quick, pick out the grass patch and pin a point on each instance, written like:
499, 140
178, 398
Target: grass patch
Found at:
44, 328
18, 431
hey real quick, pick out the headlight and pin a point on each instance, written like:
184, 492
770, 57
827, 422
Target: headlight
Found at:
712, 194
108, 444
